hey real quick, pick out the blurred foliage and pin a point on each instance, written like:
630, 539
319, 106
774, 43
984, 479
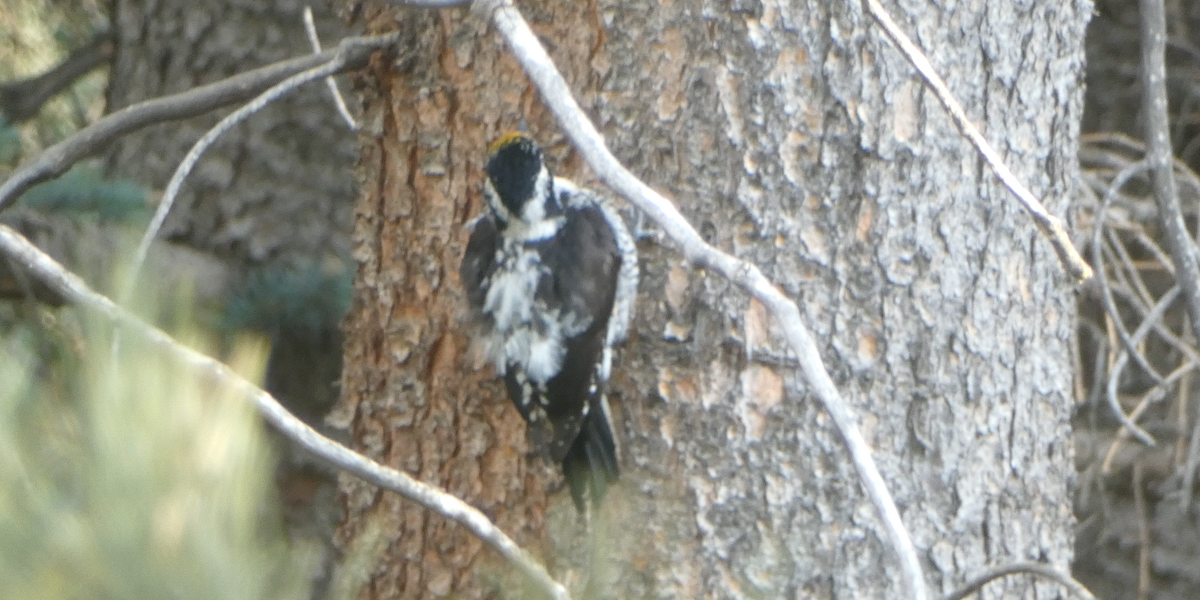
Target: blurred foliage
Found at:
302, 300
84, 191
126, 475
10, 142
122, 473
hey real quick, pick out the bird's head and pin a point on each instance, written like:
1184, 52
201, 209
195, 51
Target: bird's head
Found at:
519, 186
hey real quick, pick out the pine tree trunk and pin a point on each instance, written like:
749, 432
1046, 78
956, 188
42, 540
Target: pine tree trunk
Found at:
794, 137
277, 188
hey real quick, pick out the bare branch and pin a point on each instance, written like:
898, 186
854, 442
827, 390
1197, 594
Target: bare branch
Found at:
174, 268
1110, 306
1110, 457
347, 49
1161, 386
1164, 333
1033, 568
311, 29
1189, 470
1050, 225
21, 100
57, 159
1161, 160
77, 292
558, 97
1139, 503
1182, 397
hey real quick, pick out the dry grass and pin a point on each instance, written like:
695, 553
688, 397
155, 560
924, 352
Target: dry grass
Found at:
124, 475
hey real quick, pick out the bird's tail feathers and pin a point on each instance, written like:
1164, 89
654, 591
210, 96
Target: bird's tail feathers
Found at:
592, 462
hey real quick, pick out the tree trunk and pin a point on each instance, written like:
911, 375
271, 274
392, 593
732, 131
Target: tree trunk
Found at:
277, 187
794, 137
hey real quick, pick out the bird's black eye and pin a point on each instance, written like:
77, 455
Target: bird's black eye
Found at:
513, 170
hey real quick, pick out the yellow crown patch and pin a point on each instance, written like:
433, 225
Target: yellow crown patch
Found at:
508, 139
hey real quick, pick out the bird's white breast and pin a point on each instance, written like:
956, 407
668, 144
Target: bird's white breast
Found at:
525, 334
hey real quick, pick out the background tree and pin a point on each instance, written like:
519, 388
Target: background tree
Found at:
273, 200
276, 190
794, 137
277, 193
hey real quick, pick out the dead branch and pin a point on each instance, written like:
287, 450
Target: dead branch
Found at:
1160, 157
1139, 502
1050, 225
58, 158
1129, 346
311, 29
71, 287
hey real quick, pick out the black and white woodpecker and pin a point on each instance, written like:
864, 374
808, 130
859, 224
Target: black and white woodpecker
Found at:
551, 276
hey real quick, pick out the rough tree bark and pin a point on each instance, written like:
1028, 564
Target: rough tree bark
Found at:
794, 137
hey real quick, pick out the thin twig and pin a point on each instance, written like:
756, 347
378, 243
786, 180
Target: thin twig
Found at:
58, 158
1159, 256
1150, 397
1113, 138
587, 140
1182, 395
202, 145
1077, 368
1123, 282
1030, 567
1050, 225
1164, 333
1159, 156
1129, 144
49, 272
1093, 399
1130, 342
1193, 462
1110, 306
311, 28
1139, 503
1131, 267
1110, 456
1118, 367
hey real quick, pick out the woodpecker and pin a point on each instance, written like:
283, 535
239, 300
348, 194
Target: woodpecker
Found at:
550, 273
